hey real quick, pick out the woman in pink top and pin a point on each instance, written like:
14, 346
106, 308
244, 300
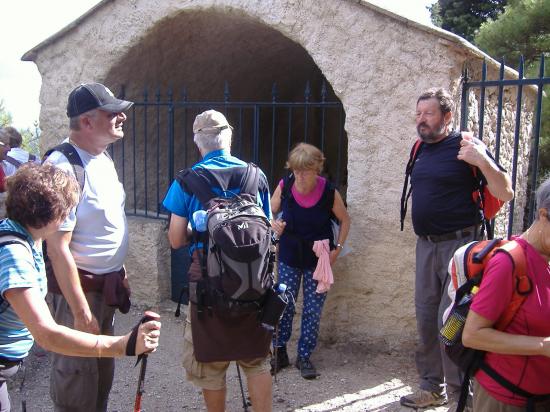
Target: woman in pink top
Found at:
308, 202
521, 353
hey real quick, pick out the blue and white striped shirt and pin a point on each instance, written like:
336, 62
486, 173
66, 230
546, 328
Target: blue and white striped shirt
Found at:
18, 269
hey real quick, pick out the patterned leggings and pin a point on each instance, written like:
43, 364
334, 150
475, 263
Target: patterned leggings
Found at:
311, 315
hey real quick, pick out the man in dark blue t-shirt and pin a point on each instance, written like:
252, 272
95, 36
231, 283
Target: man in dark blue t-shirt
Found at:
444, 217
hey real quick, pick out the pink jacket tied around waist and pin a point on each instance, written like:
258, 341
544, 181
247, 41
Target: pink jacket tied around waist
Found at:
323, 272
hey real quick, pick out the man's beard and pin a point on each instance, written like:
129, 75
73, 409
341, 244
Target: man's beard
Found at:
431, 136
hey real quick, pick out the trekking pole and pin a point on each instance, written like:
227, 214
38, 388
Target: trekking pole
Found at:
246, 404
275, 355
147, 316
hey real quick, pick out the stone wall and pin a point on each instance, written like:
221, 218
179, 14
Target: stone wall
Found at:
376, 63
148, 262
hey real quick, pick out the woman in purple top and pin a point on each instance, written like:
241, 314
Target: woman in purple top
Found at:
308, 203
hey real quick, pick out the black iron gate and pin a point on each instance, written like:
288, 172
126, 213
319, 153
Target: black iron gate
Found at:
518, 84
159, 141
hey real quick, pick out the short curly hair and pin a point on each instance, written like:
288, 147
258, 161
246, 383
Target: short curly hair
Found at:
443, 96
40, 194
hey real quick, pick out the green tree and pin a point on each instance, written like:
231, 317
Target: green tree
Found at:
523, 30
464, 17
5, 116
31, 138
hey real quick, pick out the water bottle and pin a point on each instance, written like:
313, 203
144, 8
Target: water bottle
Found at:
200, 219
451, 332
274, 306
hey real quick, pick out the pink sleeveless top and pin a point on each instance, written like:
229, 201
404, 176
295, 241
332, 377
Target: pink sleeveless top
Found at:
312, 197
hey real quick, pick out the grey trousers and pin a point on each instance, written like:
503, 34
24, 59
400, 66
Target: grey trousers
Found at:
6, 372
436, 371
81, 384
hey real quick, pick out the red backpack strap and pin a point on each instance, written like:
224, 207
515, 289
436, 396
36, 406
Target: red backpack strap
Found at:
408, 170
522, 283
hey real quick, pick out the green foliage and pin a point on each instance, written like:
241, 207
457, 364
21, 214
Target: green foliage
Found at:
5, 116
523, 29
31, 138
464, 17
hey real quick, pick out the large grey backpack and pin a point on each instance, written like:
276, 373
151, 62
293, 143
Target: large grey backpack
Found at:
237, 256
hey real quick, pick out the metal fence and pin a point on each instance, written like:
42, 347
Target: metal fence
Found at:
159, 140
518, 84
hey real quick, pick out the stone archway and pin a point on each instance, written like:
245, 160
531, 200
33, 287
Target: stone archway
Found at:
196, 55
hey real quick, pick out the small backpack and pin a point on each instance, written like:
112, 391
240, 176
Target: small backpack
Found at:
487, 203
237, 256
466, 271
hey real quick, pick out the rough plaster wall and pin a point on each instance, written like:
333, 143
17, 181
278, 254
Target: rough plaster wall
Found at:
148, 262
376, 65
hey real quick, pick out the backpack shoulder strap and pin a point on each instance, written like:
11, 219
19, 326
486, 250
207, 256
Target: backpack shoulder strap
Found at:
196, 182
4, 233
286, 192
522, 283
330, 191
13, 161
32, 157
74, 159
11, 237
251, 180
415, 150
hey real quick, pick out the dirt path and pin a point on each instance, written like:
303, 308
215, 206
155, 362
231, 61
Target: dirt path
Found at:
353, 378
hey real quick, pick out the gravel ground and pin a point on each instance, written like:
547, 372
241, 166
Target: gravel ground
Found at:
353, 378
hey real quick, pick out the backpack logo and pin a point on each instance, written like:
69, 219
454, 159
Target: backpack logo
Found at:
242, 226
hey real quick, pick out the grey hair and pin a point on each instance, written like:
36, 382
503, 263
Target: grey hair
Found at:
74, 122
543, 196
208, 142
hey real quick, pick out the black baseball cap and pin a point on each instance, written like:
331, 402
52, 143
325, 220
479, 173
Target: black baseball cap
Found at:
89, 96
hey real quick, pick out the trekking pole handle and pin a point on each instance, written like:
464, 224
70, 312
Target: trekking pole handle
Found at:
147, 316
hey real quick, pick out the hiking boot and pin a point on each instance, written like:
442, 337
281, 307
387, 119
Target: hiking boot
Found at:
307, 370
423, 399
280, 361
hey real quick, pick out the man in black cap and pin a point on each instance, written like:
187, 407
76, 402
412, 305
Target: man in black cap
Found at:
88, 252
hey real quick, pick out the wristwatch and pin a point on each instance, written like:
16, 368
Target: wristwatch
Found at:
340, 246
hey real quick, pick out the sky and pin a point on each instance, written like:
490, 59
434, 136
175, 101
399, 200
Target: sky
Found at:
26, 23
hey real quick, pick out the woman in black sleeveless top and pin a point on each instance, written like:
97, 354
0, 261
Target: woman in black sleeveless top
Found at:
308, 203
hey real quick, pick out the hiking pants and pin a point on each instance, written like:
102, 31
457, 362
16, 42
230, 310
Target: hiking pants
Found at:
312, 308
431, 299
80, 384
